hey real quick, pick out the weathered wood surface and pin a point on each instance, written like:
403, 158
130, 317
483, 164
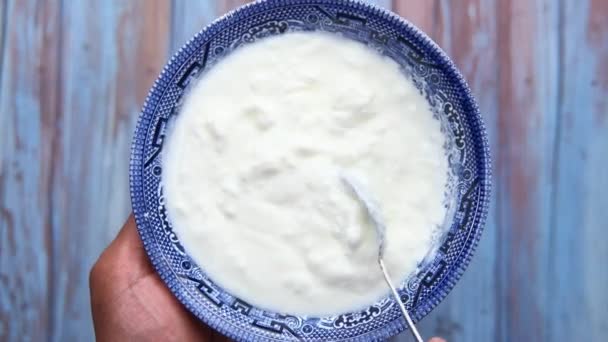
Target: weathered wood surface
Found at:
468, 34
74, 74
109, 62
528, 83
189, 17
29, 100
578, 276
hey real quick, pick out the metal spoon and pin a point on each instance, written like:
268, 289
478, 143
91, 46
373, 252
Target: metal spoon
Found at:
373, 213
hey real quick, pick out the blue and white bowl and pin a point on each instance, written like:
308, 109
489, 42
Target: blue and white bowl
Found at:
466, 196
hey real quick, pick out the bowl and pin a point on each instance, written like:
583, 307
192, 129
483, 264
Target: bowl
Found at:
466, 195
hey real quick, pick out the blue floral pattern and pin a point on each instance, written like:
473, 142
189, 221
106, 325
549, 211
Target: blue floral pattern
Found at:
466, 197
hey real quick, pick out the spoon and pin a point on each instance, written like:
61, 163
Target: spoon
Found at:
373, 213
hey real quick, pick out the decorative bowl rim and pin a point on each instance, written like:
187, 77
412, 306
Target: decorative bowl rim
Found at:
435, 52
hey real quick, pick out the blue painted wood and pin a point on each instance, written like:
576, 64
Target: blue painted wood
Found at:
578, 300
382, 3
224, 6
71, 85
528, 74
3, 27
110, 61
28, 113
467, 31
421, 13
188, 18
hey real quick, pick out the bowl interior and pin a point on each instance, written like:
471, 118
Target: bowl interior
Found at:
466, 194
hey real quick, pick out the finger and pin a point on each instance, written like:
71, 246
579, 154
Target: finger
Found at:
204, 332
437, 339
128, 237
127, 250
129, 243
123, 262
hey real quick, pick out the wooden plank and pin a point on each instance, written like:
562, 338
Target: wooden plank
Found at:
382, 3
467, 32
110, 60
528, 75
188, 18
28, 115
224, 6
3, 27
421, 13
578, 301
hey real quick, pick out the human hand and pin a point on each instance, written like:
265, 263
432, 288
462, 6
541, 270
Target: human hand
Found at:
129, 301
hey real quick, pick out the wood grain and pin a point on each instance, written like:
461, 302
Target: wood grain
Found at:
469, 37
421, 13
3, 27
224, 6
28, 108
74, 75
188, 18
111, 51
382, 3
578, 274
528, 76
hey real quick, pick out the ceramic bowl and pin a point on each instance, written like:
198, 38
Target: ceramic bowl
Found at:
466, 195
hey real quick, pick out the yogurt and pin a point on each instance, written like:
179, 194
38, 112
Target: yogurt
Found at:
252, 167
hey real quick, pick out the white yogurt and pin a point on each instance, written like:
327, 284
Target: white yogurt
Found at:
252, 165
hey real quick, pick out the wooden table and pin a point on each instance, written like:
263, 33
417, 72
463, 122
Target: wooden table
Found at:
74, 75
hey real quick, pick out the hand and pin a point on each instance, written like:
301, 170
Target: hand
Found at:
130, 302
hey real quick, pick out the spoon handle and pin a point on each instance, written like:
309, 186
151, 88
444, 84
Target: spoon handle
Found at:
406, 315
